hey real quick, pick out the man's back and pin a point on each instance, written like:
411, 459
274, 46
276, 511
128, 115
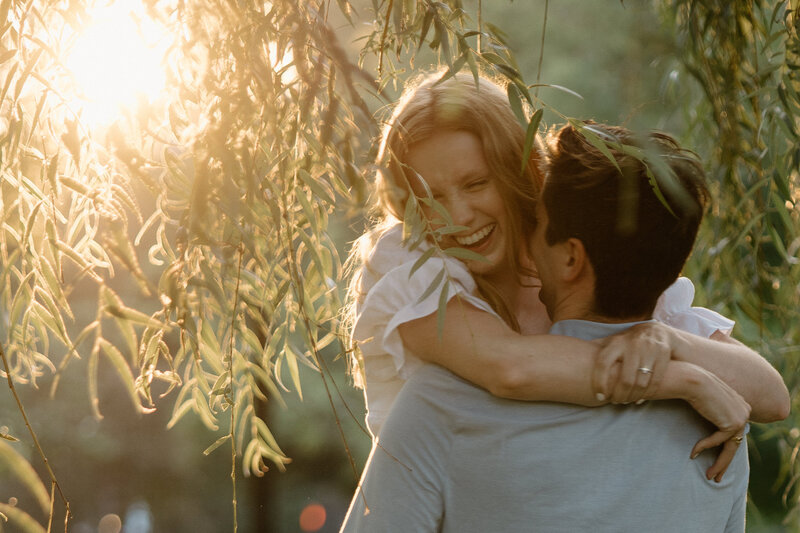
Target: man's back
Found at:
516, 466
463, 460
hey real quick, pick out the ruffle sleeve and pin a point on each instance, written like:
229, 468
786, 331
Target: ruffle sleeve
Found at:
392, 297
674, 308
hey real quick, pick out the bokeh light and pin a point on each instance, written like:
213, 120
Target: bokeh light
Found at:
110, 523
116, 61
313, 517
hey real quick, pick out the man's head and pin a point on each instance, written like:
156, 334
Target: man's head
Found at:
631, 222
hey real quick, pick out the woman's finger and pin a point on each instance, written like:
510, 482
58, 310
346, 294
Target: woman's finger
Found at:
606, 358
659, 368
712, 441
644, 376
724, 459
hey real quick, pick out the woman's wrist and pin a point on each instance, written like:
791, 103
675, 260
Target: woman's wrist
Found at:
682, 381
680, 345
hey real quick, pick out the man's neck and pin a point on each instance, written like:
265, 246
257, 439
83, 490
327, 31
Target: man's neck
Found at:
586, 312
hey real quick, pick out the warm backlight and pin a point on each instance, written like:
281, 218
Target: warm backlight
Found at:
116, 61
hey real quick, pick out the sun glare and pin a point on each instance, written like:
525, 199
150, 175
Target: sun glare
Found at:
116, 61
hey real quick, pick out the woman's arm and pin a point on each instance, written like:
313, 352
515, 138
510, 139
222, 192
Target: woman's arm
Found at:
743, 369
482, 349
485, 351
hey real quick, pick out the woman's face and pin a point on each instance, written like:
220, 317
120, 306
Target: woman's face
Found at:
453, 166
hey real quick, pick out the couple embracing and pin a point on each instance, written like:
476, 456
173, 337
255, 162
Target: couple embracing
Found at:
571, 385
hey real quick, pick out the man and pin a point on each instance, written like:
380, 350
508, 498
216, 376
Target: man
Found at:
611, 236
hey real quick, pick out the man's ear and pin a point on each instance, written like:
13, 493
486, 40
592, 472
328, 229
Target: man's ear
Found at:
575, 260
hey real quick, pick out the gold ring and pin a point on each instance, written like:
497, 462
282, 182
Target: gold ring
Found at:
737, 439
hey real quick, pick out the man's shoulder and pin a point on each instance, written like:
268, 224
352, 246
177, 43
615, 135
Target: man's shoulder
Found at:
440, 388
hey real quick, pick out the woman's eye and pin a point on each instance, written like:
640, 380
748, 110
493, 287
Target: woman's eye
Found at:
478, 183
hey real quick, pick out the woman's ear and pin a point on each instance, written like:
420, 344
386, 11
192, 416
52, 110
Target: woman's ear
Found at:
575, 260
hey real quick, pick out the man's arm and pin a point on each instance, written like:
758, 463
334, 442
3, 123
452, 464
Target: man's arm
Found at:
402, 487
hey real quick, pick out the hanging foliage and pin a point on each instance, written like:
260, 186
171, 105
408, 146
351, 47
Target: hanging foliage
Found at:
216, 201
742, 61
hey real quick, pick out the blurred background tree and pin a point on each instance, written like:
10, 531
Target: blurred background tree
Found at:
175, 210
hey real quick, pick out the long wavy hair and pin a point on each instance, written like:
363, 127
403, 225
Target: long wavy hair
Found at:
428, 106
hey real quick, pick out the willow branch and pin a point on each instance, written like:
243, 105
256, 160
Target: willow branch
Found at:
383, 38
232, 393
50, 472
541, 49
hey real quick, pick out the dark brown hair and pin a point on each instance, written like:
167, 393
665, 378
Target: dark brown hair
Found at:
637, 215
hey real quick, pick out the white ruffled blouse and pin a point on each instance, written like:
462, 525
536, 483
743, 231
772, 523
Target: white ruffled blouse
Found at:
393, 297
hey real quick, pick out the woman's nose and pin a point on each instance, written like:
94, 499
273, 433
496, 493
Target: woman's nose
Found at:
461, 212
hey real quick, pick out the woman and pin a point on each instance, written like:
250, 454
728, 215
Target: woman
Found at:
457, 148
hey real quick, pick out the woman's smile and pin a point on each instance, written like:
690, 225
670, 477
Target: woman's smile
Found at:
477, 239
455, 170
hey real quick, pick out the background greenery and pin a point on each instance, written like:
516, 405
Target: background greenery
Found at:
225, 207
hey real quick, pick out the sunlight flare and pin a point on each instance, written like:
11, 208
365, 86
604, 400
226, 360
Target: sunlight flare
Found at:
116, 61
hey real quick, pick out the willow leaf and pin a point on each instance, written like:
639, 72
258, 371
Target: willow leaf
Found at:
530, 138
421, 261
291, 361
433, 286
219, 442
467, 255
444, 296
21, 519
25, 473
201, 408
123, 371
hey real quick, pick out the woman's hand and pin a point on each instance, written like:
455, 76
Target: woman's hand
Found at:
715, 401
643, 352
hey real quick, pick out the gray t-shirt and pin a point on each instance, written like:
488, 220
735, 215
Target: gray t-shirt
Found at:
453, 458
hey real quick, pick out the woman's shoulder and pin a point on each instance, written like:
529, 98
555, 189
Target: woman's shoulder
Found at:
387, 249
387, 258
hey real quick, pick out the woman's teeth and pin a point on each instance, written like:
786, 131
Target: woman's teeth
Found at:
482, 233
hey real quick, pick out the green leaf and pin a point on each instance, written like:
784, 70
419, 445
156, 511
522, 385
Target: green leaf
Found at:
421, 261
319, 188
515, 102
291, 361
180, 410
53, 323
467, 255
8, 54
432, 287
426, 25
444, 39
24, 472
219, 442
91, 371
9, 79
440, 210
443, 299
123, 371
23, 77
557, 87
132, 315
657, 191
530, 137
21, 519
449, 230
201, 408
594, 139
454, 68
